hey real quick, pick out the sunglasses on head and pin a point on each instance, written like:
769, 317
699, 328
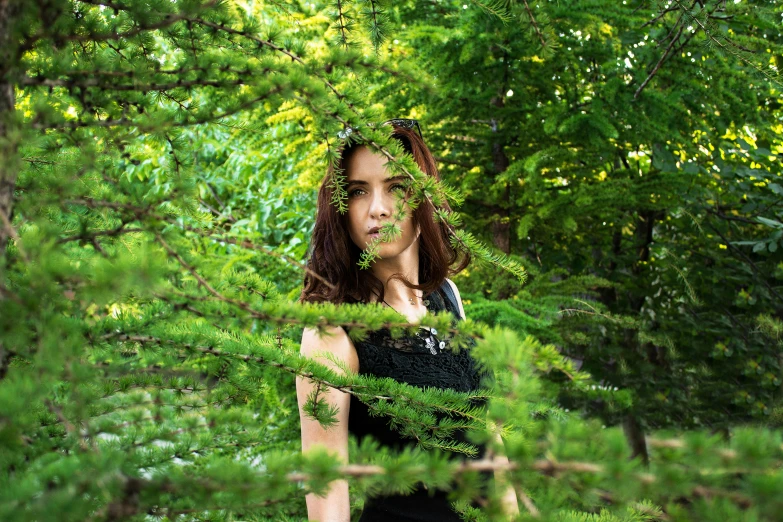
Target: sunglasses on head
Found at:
405, 123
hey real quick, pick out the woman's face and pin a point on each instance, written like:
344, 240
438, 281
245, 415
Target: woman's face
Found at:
371, 203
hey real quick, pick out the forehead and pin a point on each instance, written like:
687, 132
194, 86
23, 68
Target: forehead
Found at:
364, 163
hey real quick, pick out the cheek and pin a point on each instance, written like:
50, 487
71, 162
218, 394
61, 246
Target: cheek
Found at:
355, 228
351, 219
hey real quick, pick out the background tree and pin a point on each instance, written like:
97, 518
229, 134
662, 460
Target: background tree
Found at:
627, 155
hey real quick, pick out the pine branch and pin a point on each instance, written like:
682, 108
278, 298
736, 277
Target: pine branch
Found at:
150, 126
351, 389
534, 24
246, 307
167, 21
730, 47
343, 22
404, 407
378, 24
87, 236
363, 470
547, 467
662, 59
138, 212
497, 8
96, 83
246, 34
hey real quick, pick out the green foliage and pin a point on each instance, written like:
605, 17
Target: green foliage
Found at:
637, 162
157, 166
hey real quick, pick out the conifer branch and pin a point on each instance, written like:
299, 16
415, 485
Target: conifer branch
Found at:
169, 511
270, 317
288, 53
497, 8
377, 24
351, 389
527, 502
406, 410
750, 262
534, 24
343, 23
730, 47
96, 83
90, 236
246, 34
127, 122
244, 243
138, 212
548, 467
69, 427
662, 59
168, 20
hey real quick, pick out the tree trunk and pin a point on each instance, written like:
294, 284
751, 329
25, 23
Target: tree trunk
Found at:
635, 435
501, 227
8, 139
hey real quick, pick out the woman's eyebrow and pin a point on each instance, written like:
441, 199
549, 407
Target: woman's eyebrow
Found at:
362, 182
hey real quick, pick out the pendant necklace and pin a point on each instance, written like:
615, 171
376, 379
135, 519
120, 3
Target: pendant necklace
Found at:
430, 338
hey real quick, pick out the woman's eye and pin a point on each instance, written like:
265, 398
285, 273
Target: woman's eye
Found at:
356, 192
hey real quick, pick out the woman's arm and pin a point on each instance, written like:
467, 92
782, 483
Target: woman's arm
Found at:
335, 506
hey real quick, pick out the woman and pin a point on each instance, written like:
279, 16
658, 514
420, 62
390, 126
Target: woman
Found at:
410, 277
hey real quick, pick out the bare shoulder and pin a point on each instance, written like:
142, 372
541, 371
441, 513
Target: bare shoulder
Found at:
456, 294
332, 343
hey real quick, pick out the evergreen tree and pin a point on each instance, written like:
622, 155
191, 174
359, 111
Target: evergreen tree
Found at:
627, 154
149, 335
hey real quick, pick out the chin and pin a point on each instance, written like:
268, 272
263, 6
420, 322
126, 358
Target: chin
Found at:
392, 250
386, 250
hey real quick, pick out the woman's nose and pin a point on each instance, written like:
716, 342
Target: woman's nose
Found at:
380, 205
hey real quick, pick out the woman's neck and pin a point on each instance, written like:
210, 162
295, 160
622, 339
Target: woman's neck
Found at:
394, 291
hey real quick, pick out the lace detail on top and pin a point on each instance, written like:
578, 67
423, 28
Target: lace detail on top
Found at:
424, 359
425, 340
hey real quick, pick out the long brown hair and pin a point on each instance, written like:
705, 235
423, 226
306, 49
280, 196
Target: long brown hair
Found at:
334, 256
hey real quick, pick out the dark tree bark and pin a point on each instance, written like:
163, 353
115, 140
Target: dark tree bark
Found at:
9, 162
636, 439
643, 239
501, 227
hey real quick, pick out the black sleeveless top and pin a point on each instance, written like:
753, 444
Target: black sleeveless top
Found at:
421, 360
